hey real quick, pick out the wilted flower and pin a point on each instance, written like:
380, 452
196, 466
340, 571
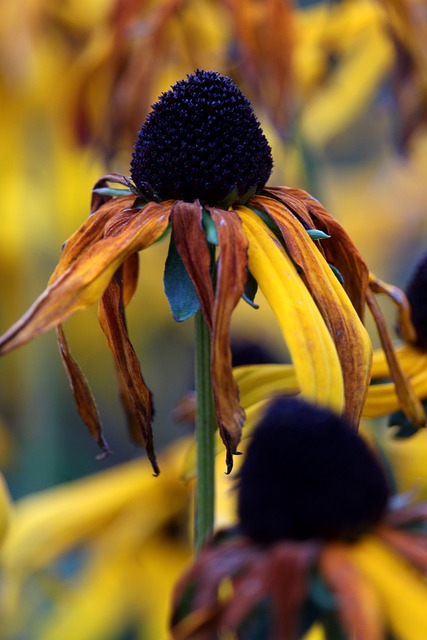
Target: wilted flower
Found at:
199, 168
315, 542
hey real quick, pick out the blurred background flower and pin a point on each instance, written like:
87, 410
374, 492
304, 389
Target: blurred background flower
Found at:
340, 89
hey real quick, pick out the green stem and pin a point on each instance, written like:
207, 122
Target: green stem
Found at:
205, 434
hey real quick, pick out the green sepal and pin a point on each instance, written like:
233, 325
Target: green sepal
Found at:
179, 289
247, 196
316, 234
209, 228
251, 288
337, 273
269, 222
110, 191
229, 199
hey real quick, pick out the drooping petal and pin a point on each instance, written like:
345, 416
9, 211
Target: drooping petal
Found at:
85, 280
341, 252
264, 381
382, 398
88, 233
130, 272
85, 402
408, 400
398, 296
402, 591
192, 246
313, 351
358, 604
230, 284
290, 564
134, 394
351, 339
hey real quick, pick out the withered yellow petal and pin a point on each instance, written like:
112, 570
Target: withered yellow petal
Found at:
402, 592
350, 336
317, 365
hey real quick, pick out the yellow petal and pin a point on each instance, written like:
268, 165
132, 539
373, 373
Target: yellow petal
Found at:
313, 352
48, 523
402, 592
351, 339
264, 381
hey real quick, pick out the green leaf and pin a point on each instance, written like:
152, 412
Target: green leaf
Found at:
251, 288
209, 228
229, 199
181, 295
316, 234
110, 191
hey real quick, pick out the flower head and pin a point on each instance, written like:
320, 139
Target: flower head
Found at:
315, 542
311, 485
201, 141
200, 165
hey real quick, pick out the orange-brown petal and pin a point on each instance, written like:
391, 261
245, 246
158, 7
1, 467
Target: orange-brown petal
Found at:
86, 279
408, 399
358, 605
411, 546
192, 246
88, 233
340, 251
350, 337
134, 393
85, 402
230, 285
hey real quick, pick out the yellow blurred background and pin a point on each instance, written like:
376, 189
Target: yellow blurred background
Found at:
341, 91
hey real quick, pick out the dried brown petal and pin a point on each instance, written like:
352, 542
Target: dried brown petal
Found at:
231, 280
358, 605
411, 546
406, 327
339, 251
192, 246
409, 401
350, 337
135, 395
85, 280
85, 402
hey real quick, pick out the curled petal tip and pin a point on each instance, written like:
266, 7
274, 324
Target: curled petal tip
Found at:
105, 453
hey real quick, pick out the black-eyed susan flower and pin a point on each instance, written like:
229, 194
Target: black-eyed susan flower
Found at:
317, 541
199, 170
